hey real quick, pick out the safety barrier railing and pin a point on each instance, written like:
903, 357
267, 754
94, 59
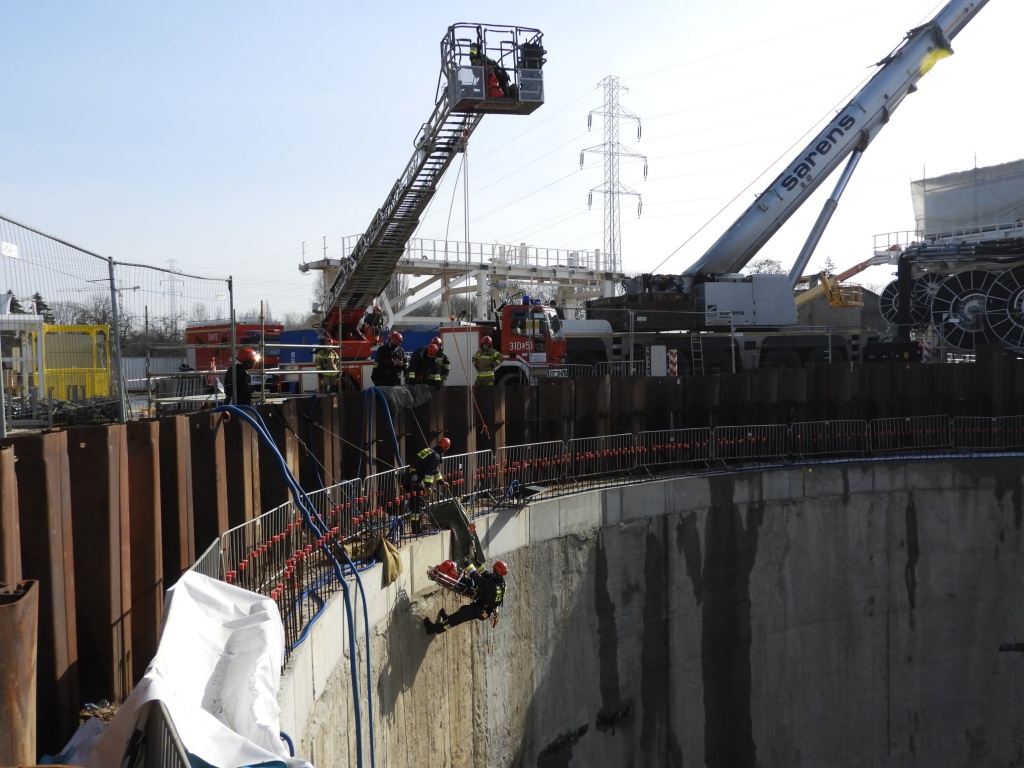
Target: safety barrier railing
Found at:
667, 449
611, 458
975, 433
541, 467
473, 479
163, 747
378, 509
210, 563
255, 553
276, 554
577, 370
911, 433
621, 368
753, 443
1010, 432
830, 438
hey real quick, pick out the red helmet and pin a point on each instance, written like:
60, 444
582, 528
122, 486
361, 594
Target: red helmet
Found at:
500, 568
486, 340
444, 443
437, 340
248, 355
432, 350
395, 337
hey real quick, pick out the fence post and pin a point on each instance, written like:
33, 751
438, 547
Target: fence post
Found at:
118, 375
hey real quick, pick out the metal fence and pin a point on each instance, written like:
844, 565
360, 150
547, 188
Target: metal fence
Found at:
280, 555
68, 318
837, 438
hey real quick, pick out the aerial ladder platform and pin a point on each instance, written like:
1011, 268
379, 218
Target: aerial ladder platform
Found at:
485, 69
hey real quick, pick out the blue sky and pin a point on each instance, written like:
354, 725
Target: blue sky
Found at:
224, 134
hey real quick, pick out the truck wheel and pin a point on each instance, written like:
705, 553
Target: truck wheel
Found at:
510, 378
781, 358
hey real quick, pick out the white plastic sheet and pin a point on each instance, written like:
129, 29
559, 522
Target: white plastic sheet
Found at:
217, 670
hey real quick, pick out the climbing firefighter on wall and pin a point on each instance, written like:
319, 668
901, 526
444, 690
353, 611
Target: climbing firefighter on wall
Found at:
423, 475
486, 361
489, 587
390, 362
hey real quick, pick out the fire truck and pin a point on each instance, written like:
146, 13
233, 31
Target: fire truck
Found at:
211, 343
485, 69
704, 309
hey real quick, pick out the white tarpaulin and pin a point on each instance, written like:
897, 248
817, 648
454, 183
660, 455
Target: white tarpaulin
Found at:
217, 670
974, 198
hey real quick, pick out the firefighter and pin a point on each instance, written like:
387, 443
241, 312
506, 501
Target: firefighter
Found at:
444, 365
424, 473
490, 593
499, 84
389, 363
486, 361
423, 365
237, 385
327, 362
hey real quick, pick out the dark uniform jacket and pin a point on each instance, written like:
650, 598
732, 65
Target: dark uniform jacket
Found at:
491, 589
423, 368
243, 394
388, 365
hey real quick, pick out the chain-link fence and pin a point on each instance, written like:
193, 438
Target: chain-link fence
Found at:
85, 339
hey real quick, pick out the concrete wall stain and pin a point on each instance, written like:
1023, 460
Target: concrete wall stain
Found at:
607, 634
731, 549
688, 542
654, 644
913, 553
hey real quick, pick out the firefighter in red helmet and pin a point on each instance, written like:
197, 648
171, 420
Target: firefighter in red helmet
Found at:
486, 361
421, 479
390, 362
237, 385
423, 365
444, 365
490, 594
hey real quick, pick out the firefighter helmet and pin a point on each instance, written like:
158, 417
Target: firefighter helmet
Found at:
486, 340
248, 357
432, 350
444, 443
396, 337
500, 568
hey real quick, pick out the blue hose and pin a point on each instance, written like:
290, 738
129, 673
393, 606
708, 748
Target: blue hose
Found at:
315, 523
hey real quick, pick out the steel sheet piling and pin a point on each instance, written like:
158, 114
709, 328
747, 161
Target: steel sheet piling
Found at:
177, 523
19, 629
98, 468
47, 553
145, 528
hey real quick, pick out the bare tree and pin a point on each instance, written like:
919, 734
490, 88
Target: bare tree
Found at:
765, 267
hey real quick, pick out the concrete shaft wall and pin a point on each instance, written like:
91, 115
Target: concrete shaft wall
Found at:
848, 615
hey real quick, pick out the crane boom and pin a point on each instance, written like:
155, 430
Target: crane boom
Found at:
486, 69
852, 129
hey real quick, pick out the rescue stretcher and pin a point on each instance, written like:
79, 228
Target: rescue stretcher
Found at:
448, 575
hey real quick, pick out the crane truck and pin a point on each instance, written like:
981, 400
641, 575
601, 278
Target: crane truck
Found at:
485, 69
712, 302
